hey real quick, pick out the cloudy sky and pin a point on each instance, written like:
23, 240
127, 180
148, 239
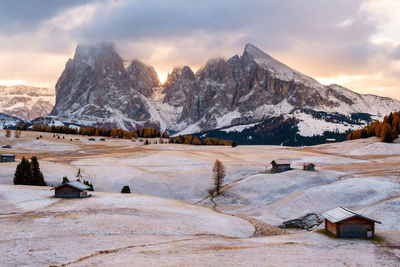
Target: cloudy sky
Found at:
355, 43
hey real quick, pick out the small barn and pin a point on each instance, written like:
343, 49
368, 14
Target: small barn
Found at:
7, 157
309, 166
343, 222
73, 189
280, 165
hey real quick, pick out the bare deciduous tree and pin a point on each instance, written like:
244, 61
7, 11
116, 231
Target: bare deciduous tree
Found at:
219, 174
8, 132
17, 133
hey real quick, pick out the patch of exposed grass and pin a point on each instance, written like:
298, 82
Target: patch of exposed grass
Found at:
326, 233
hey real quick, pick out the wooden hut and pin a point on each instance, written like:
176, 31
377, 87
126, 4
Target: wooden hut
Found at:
5, 157
330, 140
343, 222
73, 189
309, 166
280, 165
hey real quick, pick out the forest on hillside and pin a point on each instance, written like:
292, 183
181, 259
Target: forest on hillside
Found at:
387, 130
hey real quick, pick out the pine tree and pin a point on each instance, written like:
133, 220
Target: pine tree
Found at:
395, 134
165, 134
65, 180
23, 173
36, 174
219, 174
386, 133
196, 141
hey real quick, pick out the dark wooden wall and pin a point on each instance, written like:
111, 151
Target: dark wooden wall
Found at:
67, 191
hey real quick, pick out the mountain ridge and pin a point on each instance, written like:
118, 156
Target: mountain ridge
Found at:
26, 102
99, 88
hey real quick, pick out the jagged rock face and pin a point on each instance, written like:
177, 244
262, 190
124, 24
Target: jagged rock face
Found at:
180, 86
143, 77
95, 88
26, 102
243, 84
95, 85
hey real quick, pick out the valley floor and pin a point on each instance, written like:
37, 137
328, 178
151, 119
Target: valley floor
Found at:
170, 219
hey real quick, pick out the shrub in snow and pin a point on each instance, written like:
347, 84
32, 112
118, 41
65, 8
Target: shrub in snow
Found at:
126, 189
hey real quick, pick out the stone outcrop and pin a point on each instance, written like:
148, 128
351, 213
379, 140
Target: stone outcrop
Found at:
307, 222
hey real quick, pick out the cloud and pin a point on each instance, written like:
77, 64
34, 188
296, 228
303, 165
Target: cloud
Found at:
26, 15
322, 38
396, 53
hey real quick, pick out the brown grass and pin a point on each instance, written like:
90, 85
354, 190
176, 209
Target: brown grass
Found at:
263, 228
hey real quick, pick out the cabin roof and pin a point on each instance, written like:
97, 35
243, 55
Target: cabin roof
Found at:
7, 155
308, 164
75, 184
281, 162
340, 214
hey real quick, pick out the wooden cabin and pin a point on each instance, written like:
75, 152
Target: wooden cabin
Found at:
330, 140
5, 146
73, 189
5, 157
309, 166
343, 222
280, 165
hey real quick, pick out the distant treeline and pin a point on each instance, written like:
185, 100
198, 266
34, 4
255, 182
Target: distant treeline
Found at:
94, 131
387, 130
208, 141
120, 133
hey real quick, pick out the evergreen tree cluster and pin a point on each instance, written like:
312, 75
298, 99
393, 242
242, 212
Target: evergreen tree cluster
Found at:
28, 173
95, 131
193, 140
387, 130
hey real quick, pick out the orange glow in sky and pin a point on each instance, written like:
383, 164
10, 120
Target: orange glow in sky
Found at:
162, 76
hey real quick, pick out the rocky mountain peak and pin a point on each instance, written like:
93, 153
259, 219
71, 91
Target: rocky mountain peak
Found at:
187, 73
180, 86
144, 78
98, 89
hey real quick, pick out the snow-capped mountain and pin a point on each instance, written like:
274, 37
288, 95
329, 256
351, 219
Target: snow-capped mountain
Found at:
252, 92
7, 121
26, 102
96, 89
